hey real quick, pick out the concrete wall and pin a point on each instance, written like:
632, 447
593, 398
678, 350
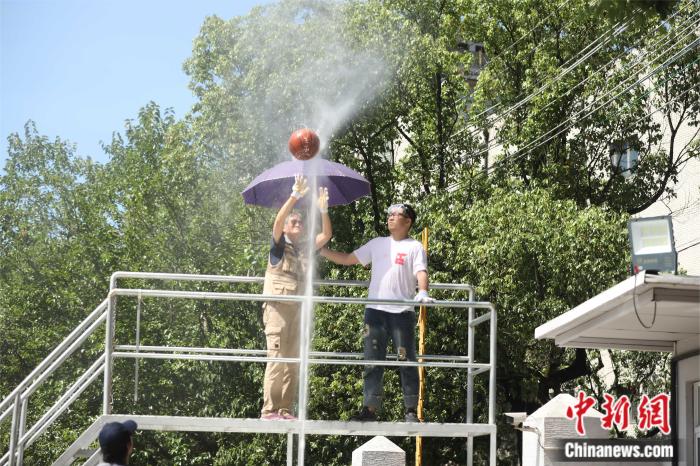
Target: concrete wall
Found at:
685, 207
688, 374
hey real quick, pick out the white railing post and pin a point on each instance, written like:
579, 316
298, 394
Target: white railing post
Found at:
22, 428
14, 432
109, 345
290, 449
470, 379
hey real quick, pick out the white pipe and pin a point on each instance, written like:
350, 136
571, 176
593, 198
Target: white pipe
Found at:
470, 379
65, 406
47, 361
191, 349
289, 298
245, 279
57, 362
290, 449
40, 426
109, 333
22, 427
14, 432
345, 362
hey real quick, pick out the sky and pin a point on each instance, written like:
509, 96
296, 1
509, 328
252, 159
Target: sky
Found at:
80, 68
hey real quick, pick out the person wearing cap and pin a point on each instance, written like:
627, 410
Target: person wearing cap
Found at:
116, 443
399, 264
286, 275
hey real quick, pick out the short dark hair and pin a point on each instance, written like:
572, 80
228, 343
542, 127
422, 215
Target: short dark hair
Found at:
410, 212
406, 210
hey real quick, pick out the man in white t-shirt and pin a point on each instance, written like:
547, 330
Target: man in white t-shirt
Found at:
399, 263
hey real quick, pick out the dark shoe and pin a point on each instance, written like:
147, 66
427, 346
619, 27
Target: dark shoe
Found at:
365, 415
411, 416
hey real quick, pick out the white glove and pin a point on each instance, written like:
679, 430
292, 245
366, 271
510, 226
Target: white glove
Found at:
300, 187
422, 297
323, 200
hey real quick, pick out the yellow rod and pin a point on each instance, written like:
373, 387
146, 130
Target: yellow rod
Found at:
422, 323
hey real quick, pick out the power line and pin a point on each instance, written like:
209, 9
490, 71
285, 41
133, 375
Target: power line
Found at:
519, 154
617, 30
688, 247
578, 114
655, 47
571, 119
637, 61
617, 27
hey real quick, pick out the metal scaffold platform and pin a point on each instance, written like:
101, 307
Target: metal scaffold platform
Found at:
15, 405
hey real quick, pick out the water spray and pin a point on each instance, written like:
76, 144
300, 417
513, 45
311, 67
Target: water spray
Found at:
304, 145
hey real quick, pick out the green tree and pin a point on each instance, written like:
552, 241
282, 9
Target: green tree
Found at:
57, 252
384, 84
534, 257
563, 129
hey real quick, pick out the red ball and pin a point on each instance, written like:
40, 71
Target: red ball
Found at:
304, 144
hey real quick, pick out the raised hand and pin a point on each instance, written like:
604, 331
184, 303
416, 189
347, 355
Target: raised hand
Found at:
323, 200
300, 187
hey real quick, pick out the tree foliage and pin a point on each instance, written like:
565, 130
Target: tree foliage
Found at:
537, 232
563, 129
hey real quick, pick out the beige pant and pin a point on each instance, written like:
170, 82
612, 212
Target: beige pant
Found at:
282, 335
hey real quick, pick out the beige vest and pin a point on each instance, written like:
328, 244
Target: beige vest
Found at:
288, 276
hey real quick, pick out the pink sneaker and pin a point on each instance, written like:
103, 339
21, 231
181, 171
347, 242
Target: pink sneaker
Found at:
271, 417
286, 415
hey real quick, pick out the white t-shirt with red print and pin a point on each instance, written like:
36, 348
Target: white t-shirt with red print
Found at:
394, 268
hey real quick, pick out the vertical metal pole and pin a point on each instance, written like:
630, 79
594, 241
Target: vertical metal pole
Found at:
492, 386
22, 428
422, 324
290, 449
470, 380
109, 343
138, 345
16, 413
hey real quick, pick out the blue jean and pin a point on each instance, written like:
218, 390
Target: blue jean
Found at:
379, 326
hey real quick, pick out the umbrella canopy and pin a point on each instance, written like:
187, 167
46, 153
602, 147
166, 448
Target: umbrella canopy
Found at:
272, 187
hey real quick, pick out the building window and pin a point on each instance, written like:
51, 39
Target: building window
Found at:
624, 159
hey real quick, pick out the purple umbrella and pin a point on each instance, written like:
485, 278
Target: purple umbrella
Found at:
272, 187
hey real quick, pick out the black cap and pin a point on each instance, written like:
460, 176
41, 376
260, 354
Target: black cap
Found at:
114, 437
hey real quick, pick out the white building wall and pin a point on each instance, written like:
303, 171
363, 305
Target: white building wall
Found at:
685, 207
688, 410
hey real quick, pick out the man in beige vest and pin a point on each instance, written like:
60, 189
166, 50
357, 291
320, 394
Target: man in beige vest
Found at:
286, 275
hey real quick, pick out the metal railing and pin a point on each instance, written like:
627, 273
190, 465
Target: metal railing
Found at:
16, 402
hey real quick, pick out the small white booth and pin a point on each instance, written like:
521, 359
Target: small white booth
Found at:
647, 313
